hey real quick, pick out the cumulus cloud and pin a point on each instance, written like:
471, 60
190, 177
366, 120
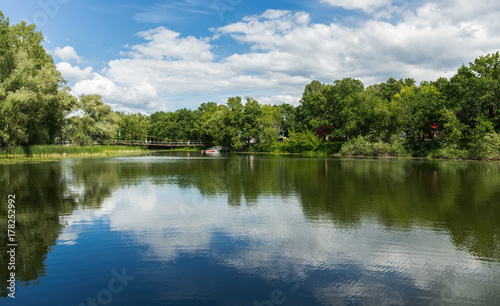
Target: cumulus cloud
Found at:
74, 73
282, 51
279, 99
67, 54
262, 31
364, 5
428, 43
141, 94
166, 44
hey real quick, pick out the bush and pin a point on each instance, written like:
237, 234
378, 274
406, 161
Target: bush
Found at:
424, 148
301, 142
331, 148
362, 146
487, 146
450, 150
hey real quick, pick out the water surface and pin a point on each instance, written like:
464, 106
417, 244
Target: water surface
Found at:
187, 229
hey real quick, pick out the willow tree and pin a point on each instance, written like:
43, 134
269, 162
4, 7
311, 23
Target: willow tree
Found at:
33, 103
96, 121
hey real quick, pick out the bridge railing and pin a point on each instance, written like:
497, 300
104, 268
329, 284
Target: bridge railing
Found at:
187, 143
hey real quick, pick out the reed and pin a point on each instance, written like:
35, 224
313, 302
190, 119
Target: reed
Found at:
54, 151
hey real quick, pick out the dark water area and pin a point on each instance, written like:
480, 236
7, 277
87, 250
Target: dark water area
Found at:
181, 228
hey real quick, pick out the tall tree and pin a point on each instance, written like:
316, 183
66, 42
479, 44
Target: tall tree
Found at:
205, 112
270, 123
313, 106
134, 126
32, 104
475, 91
341, 99
96, 123
251, 113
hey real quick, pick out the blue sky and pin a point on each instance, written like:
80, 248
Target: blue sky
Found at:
145, 56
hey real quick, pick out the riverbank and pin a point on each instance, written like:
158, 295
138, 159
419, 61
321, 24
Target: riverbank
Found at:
358, 148
50, 152
487, 149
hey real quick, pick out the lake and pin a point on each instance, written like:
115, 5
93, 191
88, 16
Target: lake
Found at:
179, 228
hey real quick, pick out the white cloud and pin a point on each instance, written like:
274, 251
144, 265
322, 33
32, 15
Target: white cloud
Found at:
426, 44
279, 99
166, 44
74, 72
67, 54
141, 95
262, 31
364, 5
282, 51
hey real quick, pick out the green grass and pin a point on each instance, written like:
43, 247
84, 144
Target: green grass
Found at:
186, 149
62, 151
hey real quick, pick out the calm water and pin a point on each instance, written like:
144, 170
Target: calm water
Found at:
187, 229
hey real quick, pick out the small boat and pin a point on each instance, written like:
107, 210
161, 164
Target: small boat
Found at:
214, 150
210, 151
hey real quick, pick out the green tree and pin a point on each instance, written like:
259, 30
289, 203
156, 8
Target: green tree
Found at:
378, 118
32, 104
158, 122
288, 114
97, 122
134, 126
205, 112
313, 106
270, 124
475, 91
484, 142
233, 122
453, 129
252, 112
341, 101
392, 86
183, 124
216, 129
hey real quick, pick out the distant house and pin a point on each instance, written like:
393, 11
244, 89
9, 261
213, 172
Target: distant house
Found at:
432, 131
323, 132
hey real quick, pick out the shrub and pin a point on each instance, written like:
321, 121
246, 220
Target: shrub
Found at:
361, 146
301, 142
450, 150
487, 146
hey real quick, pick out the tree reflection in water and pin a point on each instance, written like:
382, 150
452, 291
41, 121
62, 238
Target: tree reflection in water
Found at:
458, 197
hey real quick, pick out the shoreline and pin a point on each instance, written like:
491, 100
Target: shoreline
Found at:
337, 155
52, 153
114, 151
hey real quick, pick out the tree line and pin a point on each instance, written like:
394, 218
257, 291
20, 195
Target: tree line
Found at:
456, 117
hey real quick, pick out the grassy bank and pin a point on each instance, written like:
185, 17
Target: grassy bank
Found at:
475, 148
186, 149
484, 148
66, 151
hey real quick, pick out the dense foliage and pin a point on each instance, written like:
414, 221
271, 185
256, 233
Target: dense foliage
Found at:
456, 117
32, 104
